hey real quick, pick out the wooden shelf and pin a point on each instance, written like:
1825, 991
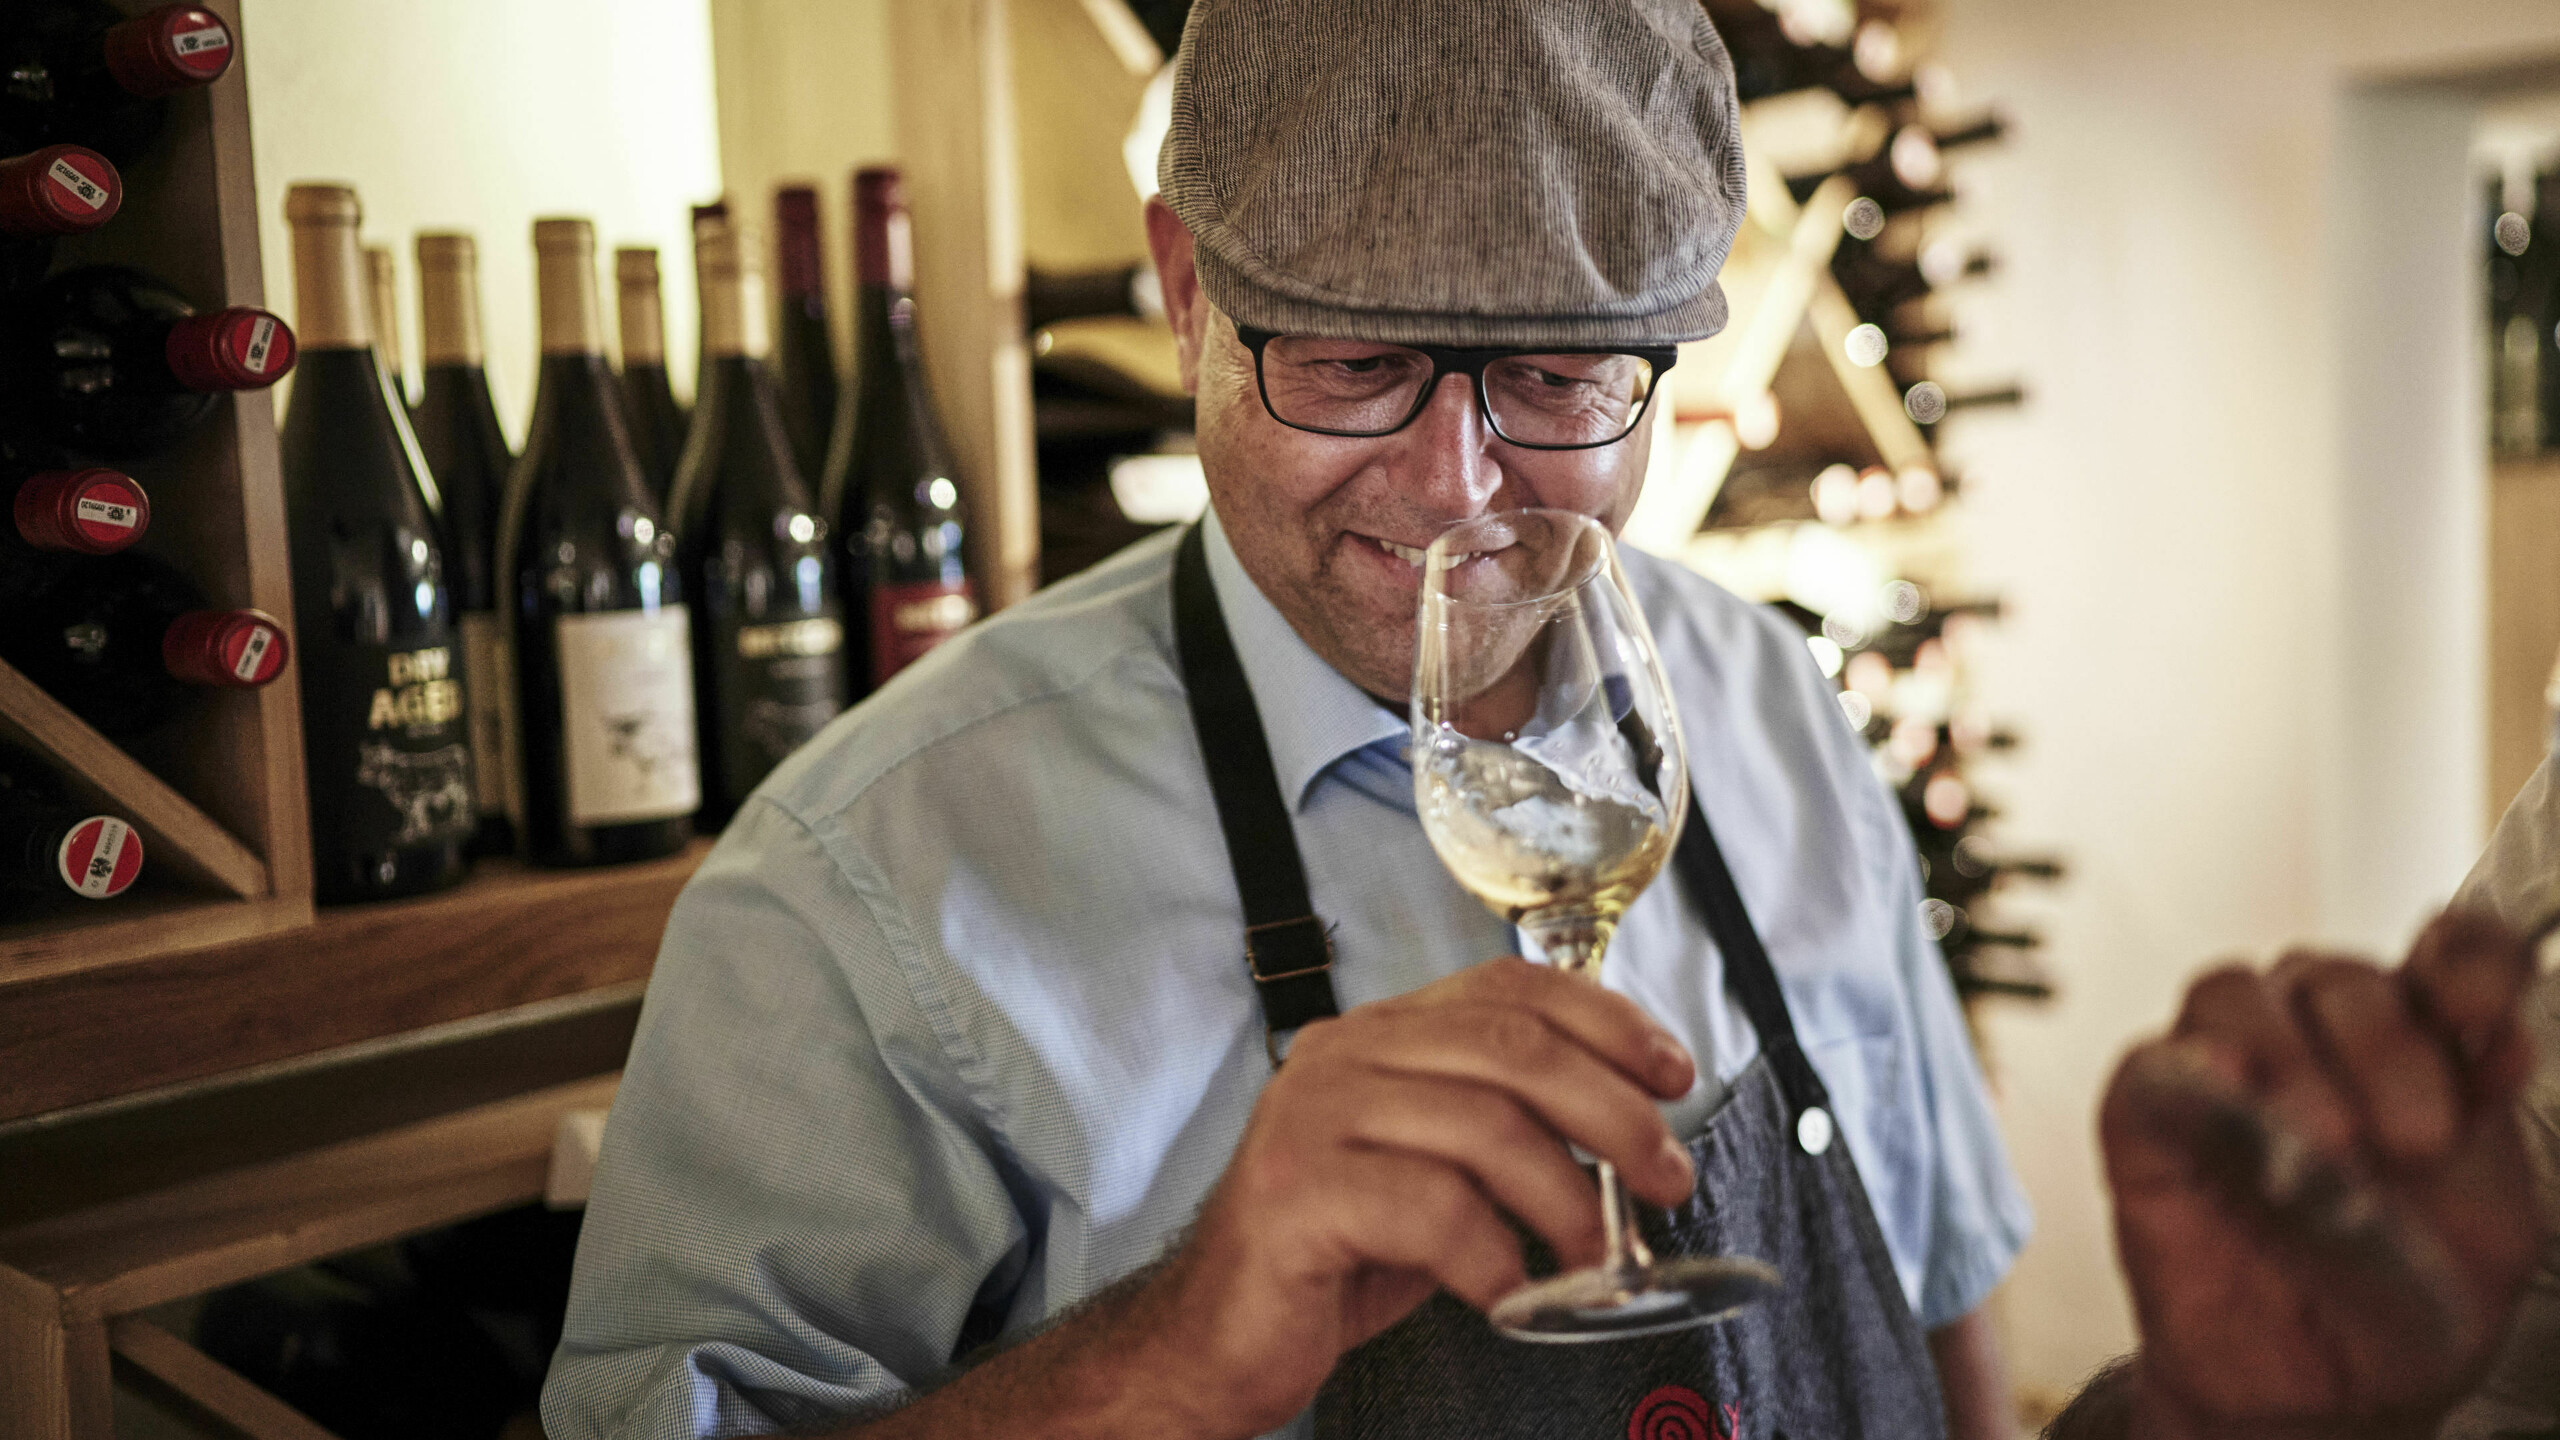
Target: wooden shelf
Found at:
84, 1028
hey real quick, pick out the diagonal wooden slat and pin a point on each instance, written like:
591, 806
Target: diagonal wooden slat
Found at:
208, 1382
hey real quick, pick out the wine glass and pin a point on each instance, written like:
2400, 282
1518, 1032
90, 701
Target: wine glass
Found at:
1551, 778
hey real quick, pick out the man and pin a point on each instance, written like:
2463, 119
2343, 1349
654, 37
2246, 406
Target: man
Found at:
950, 1043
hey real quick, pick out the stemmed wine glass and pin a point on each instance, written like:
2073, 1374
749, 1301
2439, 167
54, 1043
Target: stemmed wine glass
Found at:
1550, 775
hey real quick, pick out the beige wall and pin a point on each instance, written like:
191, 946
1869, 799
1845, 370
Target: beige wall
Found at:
2245, 562
481, 115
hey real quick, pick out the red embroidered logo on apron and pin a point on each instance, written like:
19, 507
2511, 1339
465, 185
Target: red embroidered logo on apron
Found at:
1676, 1412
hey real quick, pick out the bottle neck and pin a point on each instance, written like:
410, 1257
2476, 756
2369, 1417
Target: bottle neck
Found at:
449, 311
383, 288
565, 290
803, 274
332, 299
882, 237
734, 312
641, 312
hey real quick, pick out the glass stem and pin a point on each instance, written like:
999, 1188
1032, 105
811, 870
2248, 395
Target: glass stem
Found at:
1627, 1250
1573, 942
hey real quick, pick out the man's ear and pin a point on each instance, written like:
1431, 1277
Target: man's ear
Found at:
1169, 241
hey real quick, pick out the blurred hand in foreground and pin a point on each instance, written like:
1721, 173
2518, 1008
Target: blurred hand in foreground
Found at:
2321, 1194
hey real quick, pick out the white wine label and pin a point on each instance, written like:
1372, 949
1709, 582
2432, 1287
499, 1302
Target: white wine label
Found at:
262, 339
93, 511
100, 857
626, 715
83, 189
253, 652
485, 695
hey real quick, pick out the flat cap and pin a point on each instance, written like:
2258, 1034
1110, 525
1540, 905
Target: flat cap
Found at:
1465, 172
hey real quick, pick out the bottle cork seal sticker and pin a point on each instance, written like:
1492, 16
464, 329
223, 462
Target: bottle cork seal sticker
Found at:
236, 349
95, 511
168, 49
100, 858
230, 649
59, 190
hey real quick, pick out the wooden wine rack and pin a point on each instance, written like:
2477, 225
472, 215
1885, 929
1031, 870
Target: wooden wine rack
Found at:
217, 969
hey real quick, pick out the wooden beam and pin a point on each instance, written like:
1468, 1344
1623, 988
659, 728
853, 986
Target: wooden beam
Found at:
209, 1383
80, 1032
955, 123
55, 1380
128, 1255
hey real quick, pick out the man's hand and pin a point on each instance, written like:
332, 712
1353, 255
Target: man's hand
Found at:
2321, 1195
1380, 1163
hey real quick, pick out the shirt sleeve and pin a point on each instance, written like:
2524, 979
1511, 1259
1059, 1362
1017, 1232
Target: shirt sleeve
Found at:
1972, 1216
796, 1206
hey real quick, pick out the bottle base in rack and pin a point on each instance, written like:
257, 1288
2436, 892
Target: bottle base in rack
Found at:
351, 879
1606, 1303
612, 844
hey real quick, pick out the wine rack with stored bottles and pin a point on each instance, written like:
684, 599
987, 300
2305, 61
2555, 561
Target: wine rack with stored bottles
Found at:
207, 775
1802, 458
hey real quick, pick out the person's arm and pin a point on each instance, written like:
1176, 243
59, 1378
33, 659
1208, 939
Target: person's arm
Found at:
1973, 1380
2322, 1202
1377, 1166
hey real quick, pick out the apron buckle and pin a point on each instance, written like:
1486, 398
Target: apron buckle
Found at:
1291, 962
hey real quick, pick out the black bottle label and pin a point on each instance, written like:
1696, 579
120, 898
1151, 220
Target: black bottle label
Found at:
390, 767
778, 685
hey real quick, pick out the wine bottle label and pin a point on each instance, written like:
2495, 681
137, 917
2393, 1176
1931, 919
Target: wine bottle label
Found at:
776, 686
384, 738
90, 192
485, 691
908, 620
626, 715
249, 661
109, 516
100, 857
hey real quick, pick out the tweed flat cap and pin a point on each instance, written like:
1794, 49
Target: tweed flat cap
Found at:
1466, 172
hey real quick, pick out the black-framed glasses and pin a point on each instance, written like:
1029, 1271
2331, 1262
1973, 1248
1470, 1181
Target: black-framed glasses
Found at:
1551, 399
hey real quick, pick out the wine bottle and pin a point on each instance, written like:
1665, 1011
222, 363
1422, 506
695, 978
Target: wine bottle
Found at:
1928, 403
891, 492
382, 293
52, 849
2519, 262
1050, 297
385, 748
600, 639
804, 355
47, 194
657, 425
90, 510
768, 643
110, 361
466, 452
79, 72
1877, 286
1767, 61
127, 643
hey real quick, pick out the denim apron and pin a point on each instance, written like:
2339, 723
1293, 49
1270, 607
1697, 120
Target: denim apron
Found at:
1835, 1354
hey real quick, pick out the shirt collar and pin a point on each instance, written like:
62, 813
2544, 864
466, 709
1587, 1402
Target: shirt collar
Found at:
1312, 715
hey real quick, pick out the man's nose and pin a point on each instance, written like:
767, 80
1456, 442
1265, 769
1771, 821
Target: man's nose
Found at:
1452, 469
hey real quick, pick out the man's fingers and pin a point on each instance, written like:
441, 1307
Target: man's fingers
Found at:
1509, 1154
2466, 977
2237, 1013
1608, 1024
1553, 1074
1406, 1213
2376, 1050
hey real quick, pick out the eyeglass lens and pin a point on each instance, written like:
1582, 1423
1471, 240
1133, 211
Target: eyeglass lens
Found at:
1362, 388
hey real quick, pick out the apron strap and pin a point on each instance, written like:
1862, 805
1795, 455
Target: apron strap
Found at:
1286, 947
1708, 882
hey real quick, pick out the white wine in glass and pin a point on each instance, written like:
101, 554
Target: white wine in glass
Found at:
1551, 779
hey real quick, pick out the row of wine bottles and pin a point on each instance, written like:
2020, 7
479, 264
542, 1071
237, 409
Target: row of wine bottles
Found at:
539, 651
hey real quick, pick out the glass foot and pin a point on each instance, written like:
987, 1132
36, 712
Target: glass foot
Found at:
1602, 1303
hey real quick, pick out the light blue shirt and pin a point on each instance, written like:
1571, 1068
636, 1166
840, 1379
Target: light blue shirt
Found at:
956, 1015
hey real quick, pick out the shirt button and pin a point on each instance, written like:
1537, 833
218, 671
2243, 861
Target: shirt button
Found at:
1814, 1130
